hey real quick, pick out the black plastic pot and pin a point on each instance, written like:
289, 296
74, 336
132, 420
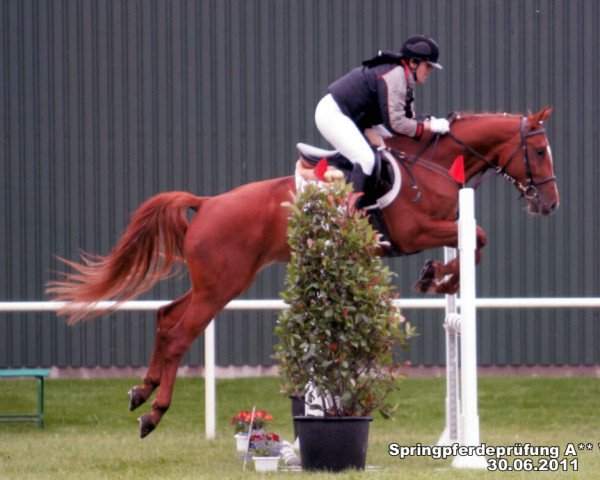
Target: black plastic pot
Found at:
297, 409
333, 443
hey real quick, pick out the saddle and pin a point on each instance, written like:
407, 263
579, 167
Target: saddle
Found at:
381, 188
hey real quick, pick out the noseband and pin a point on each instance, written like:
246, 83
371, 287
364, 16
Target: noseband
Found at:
529, 190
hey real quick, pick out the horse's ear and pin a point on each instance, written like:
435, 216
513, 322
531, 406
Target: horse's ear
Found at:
541, 116
546, 112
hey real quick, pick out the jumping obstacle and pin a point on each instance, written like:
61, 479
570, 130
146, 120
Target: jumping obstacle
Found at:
455, 431
462, 418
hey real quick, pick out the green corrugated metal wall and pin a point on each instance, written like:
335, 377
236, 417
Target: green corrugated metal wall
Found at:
105, 103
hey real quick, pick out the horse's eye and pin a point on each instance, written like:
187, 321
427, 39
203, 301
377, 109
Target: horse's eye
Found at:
540, 152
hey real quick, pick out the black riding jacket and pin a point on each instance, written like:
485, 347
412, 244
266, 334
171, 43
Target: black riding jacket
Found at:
371, 95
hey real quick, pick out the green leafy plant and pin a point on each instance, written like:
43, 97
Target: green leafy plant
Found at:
341, 327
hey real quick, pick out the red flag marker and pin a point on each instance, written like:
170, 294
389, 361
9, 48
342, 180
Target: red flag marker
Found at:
320, 169
457, 170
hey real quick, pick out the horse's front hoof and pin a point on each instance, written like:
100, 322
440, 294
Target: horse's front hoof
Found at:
136, 398
426, 277
146, 425
422, 286
448, 287
428, 270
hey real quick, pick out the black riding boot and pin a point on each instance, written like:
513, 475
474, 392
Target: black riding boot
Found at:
358, 178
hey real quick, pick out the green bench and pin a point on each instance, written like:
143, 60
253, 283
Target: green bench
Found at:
40, 375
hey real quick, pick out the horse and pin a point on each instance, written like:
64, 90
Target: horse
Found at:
234, 235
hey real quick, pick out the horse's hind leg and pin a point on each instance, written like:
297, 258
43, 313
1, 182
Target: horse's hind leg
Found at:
167, 317
177, 341
219, 282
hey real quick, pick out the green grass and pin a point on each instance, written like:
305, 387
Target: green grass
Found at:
90, 434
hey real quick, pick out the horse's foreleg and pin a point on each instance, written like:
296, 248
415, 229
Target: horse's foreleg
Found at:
439, 278
167, 317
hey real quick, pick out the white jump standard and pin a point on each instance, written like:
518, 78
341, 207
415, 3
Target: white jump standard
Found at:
462, 418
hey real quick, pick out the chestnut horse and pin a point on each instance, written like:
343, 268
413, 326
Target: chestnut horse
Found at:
236, 234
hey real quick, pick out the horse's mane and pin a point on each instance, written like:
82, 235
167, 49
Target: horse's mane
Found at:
469, 125
477, 116
473, 120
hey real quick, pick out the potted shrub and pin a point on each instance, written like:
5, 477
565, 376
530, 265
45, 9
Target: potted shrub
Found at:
341, 328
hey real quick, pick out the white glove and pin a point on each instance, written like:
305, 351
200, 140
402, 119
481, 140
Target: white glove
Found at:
439, 125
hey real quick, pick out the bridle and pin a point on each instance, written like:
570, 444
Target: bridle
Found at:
529, 190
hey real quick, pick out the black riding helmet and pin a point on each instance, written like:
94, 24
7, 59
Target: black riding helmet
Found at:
421, 47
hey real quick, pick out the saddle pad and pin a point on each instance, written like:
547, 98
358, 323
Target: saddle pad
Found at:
374, 210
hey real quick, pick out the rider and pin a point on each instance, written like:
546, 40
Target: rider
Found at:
378, 92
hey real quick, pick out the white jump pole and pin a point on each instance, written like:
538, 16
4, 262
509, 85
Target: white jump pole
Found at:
469, 417
210, 406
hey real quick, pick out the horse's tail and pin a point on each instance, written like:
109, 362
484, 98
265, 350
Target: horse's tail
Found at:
151, 245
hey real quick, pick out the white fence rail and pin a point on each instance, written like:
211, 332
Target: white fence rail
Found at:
209, 336
406, 303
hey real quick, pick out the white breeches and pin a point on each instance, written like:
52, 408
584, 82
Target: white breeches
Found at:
339, 130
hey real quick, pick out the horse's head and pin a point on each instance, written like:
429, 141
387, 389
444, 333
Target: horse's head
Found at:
526, 160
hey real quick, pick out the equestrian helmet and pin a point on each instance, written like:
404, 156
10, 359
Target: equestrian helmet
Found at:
421, 47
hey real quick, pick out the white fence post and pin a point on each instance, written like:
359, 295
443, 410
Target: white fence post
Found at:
450, 434
210, 405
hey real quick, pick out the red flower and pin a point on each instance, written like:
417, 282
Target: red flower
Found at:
265, 444
262, 415
241, 420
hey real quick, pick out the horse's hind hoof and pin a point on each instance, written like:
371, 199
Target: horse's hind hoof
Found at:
136, 398
146, 425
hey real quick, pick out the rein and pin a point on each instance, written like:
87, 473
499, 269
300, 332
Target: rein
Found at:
418, 160
530, 189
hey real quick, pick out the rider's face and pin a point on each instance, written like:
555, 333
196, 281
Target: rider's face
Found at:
423, 71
